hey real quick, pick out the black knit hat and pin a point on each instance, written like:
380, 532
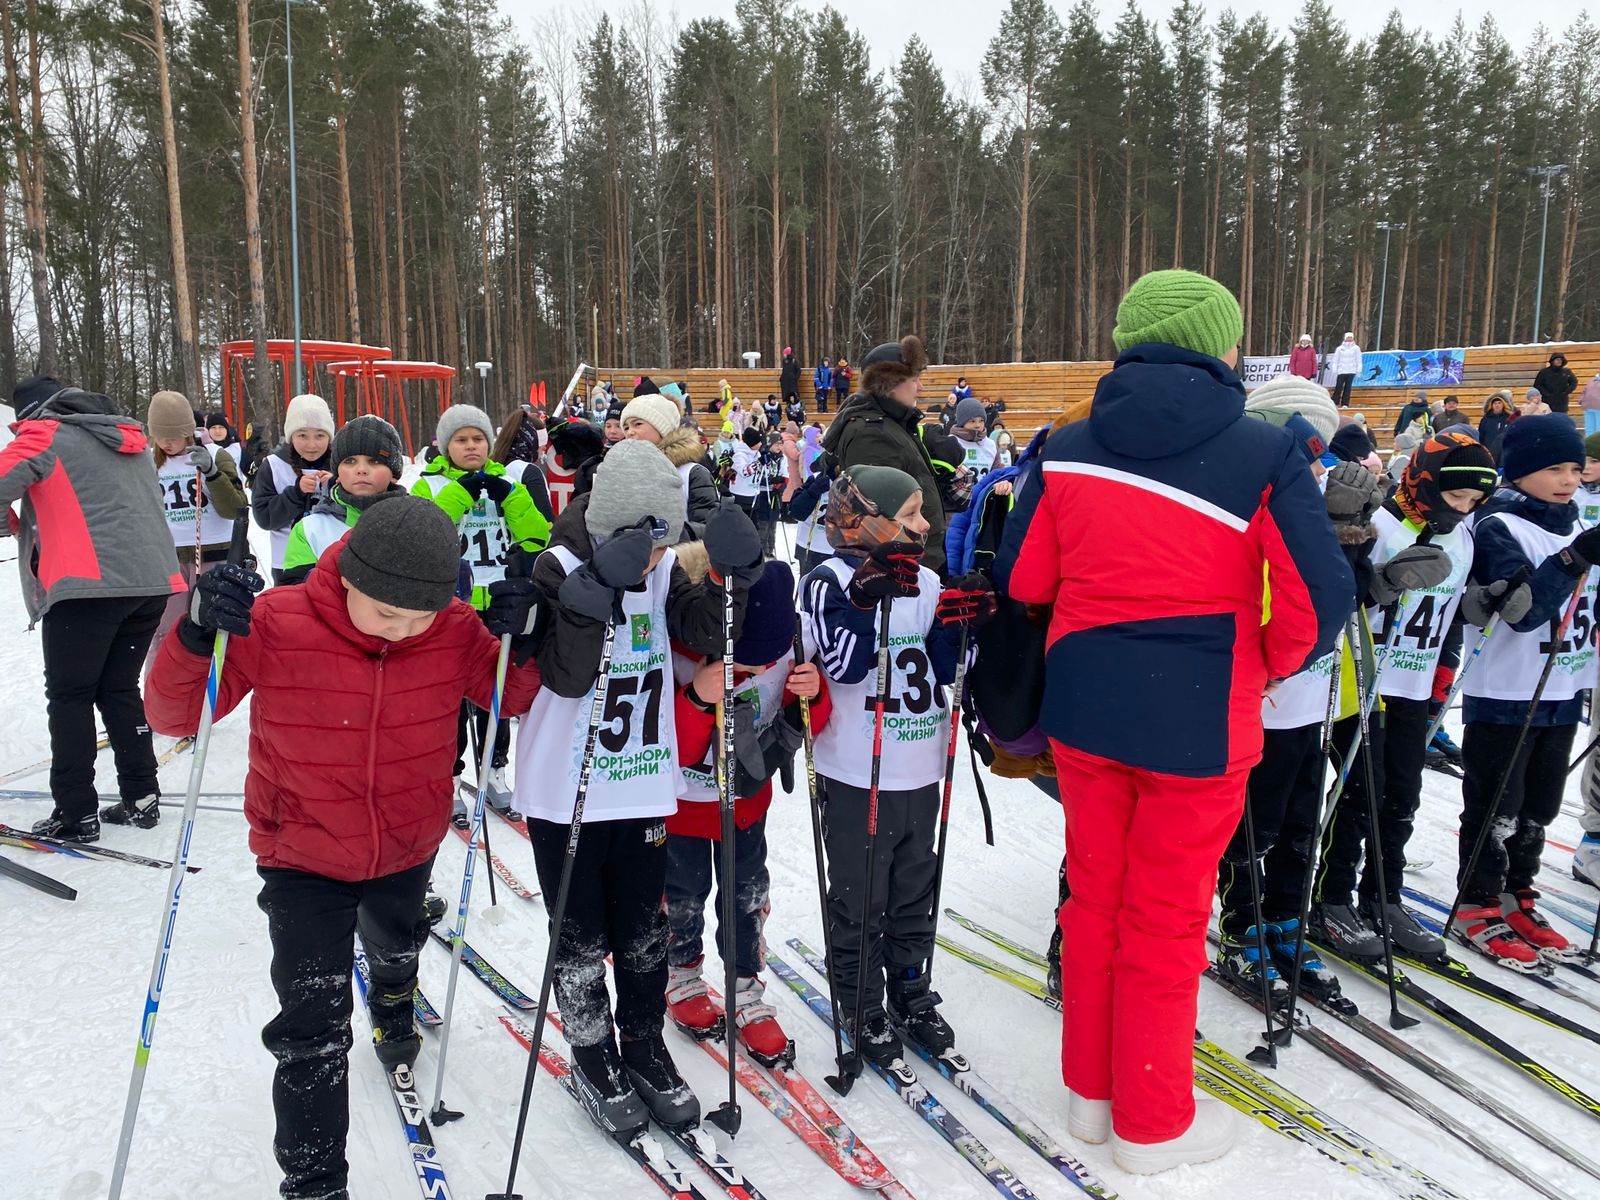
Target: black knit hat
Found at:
374, 437
769, 617
31, 392
404, 552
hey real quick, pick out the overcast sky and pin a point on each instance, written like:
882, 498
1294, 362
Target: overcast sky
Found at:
958, 31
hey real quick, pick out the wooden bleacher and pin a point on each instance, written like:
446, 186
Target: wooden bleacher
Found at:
1034, 393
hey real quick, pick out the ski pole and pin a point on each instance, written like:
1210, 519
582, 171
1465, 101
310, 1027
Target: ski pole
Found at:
1267, 1052
558, 915
1324, 821
458, 935
237, 550
958, 693
816, 843
1588, 750
726, 1116
1397, 1019
1511, 759
566, 392
1461, 678
477, 757
850, 1064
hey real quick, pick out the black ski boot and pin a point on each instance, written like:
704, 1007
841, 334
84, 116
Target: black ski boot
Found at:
1239, 959
1341, 929
1052, 975
878, 1042
655, 1077
145, 812
913, 1007
84, 829
434, 907
602, 1086
1316, 980
1409, 938
394, 1030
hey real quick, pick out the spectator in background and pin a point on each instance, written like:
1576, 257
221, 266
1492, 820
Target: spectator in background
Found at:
1346, 366
1405, 445
841, 384
1449, 413
822, 382
1555, 383
991, 413
961, 391
1415, 407
1533, 405
1497, 415
1590, 403
1303, 358
789, 376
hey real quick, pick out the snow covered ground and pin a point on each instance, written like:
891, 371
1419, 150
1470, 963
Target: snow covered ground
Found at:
76, 974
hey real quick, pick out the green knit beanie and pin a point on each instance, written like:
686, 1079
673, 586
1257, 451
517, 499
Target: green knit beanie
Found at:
1180, 308
887, 487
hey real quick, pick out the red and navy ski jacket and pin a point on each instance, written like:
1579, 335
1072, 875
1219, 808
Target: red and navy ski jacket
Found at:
1189, 558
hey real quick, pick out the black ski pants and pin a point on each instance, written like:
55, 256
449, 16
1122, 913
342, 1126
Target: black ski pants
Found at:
312, 922
899, 913
613, 907
1398, 752
690, 862
1341, 389
1283, 802
93, 652
1510, 858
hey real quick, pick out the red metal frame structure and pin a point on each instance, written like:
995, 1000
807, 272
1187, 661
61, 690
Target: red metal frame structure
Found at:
380, 389
281, 351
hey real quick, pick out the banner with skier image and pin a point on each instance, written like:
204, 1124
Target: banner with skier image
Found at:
1411, 368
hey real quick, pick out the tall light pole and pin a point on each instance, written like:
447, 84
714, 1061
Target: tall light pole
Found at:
294, 198
1386, 228
1546, 174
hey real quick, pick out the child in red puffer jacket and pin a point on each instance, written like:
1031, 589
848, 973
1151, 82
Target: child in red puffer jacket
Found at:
347, 798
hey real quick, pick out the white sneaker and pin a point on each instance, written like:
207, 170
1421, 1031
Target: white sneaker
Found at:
1210, 1136
1088, 1120
1586, 860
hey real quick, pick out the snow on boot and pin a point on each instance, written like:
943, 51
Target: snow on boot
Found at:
1446, 745
1240, 960
878, 1041
764, 1039
434, 907
1316, 980
1532, 927
656, 1079
458, 808
144, 812
1341, 929
1209, 1136
1586, 860
1410, 939
603, 1087
498, 793
913, 1006
1483, 928
394, 1030
84, 829
688, 1004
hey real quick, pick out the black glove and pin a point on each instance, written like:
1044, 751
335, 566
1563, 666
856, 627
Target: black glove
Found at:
733, 546
513, 607
473, 482
968, 601
1511, 599
204, 461
1583, 553
1353, 494
891, 572
1414, 567
622, 560
220, 599
497, 487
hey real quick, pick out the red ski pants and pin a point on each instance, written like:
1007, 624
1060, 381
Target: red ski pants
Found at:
1142, 852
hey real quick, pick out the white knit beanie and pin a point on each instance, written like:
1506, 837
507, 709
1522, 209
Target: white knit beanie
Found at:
654, 408
460, 416
309, 411
1280, 398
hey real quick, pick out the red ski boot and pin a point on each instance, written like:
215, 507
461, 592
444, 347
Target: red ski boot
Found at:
1532, 927
687, 1003
1483, 927
764, 1039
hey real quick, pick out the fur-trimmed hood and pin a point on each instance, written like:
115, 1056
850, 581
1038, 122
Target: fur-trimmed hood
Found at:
682, 446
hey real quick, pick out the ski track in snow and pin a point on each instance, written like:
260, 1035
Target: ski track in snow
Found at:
205, 1127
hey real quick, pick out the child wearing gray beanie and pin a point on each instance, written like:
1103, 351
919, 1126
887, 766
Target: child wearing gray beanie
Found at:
971, 429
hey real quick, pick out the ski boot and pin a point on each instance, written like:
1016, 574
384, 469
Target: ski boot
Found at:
603, 1088
394, 1030
498, 794
1484, 928
434, 907
688, 1003
459, 817
83, 830
1531, 927
1409, 939
1339, 928
913, 1007
1586, 860
144, 812
1316, 980
878, 1042
655, 1077
1052, 975
1446, 745
1239, 959
757, 1024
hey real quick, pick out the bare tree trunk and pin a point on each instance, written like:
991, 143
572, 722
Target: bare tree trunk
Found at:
777, 224
1569, 246
402, 312
30, 159
262, 411
1019, 301
187, 350
346, 212
1489, 253
8, 332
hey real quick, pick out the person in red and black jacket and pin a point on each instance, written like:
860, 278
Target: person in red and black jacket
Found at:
1192, 566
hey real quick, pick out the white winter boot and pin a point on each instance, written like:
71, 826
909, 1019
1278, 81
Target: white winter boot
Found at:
1211, 1135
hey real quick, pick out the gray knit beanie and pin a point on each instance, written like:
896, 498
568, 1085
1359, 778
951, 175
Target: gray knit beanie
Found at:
635, 480
970, 409
458, 417
404, 552
373, 437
